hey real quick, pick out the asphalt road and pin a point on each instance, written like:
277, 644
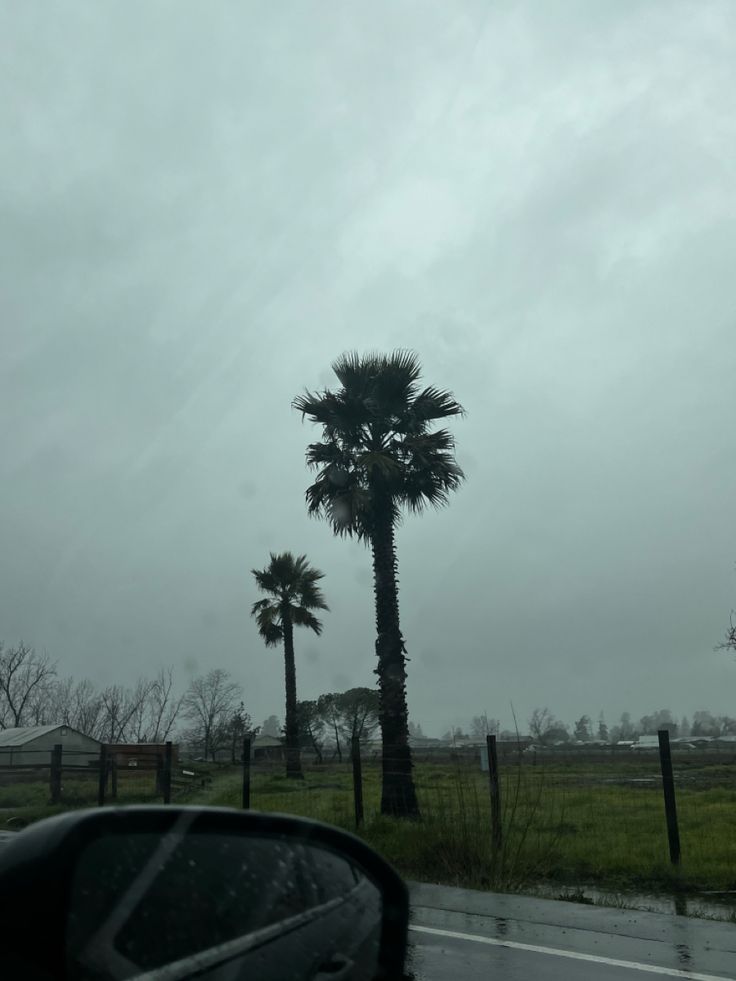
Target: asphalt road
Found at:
463, 935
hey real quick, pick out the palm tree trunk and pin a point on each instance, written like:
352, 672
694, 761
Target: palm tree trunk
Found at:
291, 725
398, 794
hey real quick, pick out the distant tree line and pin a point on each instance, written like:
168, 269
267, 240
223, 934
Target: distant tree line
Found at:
545, 729
209, 714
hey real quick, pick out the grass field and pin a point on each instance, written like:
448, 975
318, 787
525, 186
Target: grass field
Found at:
567, 823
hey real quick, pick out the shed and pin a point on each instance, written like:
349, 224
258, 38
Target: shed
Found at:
32, 745
266, 748
646, 742
143, 755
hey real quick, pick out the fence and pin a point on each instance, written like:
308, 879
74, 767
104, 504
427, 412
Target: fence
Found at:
614, 816
78, 778
631, 819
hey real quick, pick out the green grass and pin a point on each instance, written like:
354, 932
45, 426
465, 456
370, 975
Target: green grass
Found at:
567, 824
24, 803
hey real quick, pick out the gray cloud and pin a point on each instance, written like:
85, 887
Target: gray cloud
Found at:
200, 212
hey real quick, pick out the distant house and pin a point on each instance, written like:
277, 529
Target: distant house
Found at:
266, 748
32, 745
646, 742
727, 742
425, 742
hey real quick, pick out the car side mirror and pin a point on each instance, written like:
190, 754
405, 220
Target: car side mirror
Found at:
178, 892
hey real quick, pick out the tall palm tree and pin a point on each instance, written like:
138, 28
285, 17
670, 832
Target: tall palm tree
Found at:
378, 456
293, 593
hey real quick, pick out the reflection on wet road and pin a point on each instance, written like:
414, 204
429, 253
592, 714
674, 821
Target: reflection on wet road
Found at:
459, 933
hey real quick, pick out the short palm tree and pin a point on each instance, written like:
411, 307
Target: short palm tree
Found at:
293, 595
378, 456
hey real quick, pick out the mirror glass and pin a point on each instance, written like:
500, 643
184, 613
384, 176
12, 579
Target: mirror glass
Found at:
221, 906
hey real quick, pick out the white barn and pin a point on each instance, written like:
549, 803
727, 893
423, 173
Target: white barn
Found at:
32, 745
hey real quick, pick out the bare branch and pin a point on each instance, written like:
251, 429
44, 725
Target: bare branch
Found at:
24, 674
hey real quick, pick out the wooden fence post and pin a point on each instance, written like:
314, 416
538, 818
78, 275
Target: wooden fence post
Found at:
357, 781
668, 786
55, 774
246, 773
102, 776
167, 773
496, 829
113, 777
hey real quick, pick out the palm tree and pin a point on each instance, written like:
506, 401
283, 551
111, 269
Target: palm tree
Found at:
293, 593
379, 456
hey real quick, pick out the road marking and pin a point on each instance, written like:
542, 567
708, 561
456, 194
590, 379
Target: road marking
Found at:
670, 972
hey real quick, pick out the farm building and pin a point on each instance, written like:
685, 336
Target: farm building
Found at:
143, 755
266, 748
33, 745
646, 742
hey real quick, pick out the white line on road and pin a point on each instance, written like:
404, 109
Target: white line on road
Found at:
670, 972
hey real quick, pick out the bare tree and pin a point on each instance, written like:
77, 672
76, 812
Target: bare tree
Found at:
540, 723
481, 726
209, 704
121, 708
85, 709
164, 706
157, 711
23, 675
545, 728
729, 641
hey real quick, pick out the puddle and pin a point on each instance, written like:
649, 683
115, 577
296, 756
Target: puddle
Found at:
710, 906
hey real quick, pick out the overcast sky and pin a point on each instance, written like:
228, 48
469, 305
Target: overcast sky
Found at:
203, 204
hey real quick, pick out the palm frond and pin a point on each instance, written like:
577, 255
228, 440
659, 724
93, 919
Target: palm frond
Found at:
272, 635
303, 618
395, 384
384, 463
378, 449
265, 580
431, 485
433, 403
311, 597
259, 605
267, 617
293, 585
355, 372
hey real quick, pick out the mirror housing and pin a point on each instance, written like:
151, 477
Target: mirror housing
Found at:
40, 896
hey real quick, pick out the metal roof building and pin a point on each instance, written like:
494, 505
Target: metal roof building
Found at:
32, 745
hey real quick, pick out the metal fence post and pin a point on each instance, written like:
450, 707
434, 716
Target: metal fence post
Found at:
357, 781
668, 786
246, 773
55, 775
102, 776
167, 773
496, 830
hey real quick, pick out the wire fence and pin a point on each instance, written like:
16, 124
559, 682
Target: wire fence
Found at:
492, 818
626, 817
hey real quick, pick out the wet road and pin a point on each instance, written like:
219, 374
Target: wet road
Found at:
463, 935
